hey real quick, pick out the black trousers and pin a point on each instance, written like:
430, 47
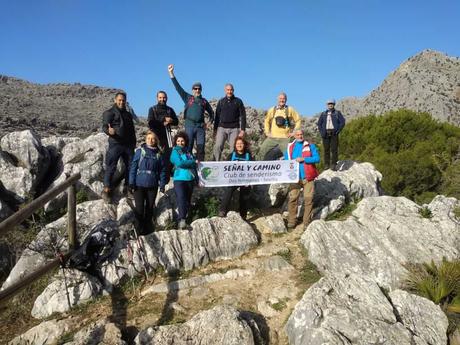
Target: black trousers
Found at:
244, 198
331, 146
144, 199
114, 152
184, 191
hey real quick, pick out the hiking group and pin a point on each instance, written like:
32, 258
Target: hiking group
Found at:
149, 167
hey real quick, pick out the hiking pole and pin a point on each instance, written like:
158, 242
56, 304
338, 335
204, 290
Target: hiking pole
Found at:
168, 135
61, 259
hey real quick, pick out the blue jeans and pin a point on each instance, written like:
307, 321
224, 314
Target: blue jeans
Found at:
114, 152
198, 134
184, 190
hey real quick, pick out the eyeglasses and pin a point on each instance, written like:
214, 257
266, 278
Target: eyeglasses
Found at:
197, 88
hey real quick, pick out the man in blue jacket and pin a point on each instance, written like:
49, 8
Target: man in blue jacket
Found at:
307, 155
330, 123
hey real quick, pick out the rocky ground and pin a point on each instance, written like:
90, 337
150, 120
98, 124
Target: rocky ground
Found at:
225, 280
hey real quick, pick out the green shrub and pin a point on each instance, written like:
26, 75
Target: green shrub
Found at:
457, 212
415, 153
425, 212
205, 207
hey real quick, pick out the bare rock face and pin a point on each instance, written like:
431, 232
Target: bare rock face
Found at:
222, 325
52, 108
69, 287
428, 82
27, 148
353, 309
98, 333
87, 158
383, 234
16, 180
210, 239
352, 181
46, 333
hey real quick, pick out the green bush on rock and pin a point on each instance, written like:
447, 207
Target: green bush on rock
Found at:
417, 155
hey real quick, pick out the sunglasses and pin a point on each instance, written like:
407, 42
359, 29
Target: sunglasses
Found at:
197, 88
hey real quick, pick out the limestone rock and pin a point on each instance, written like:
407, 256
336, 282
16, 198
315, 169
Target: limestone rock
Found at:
87, 158
352, 181
70, 285
210, 239
273, 224
351, 309
422, 317
222, 325
27, 148
382, 235
16, 180
46, 333
98, 333
428, 81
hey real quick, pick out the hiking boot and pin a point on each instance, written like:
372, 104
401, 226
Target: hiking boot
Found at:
182, 224
334, 167
106, 195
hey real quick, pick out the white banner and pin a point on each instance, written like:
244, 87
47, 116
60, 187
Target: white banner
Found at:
239, 173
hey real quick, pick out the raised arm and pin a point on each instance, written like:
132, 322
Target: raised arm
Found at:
182, 93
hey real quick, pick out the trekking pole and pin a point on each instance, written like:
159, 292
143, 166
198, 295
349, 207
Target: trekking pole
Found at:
168, 135
61, 259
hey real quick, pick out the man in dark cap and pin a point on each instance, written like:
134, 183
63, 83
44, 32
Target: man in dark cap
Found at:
330, 123
195, 107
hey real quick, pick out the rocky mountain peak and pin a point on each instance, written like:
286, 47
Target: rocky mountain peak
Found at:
428, 81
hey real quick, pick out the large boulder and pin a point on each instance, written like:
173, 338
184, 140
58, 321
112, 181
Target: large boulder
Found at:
87, 158
352, 181
45, 333
381, 236
210, 239
54, 236
222, 325
354, 310
69, 287
29, 153
98, 333
17, 181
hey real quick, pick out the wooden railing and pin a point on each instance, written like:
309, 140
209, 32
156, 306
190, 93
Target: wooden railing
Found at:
24, 213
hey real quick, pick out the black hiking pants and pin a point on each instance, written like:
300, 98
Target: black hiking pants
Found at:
144, 199
244, 198
331, 146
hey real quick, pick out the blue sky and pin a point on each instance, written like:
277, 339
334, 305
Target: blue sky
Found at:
312, 50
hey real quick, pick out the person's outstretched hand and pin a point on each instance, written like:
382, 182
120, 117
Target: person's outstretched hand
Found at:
171, 70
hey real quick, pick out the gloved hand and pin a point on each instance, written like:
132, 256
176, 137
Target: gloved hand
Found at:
162, 189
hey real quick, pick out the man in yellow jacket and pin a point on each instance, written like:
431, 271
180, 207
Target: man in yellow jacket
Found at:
279, 123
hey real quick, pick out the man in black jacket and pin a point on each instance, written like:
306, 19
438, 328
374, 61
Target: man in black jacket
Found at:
118, 125
161, 118
330, 123
230, 121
